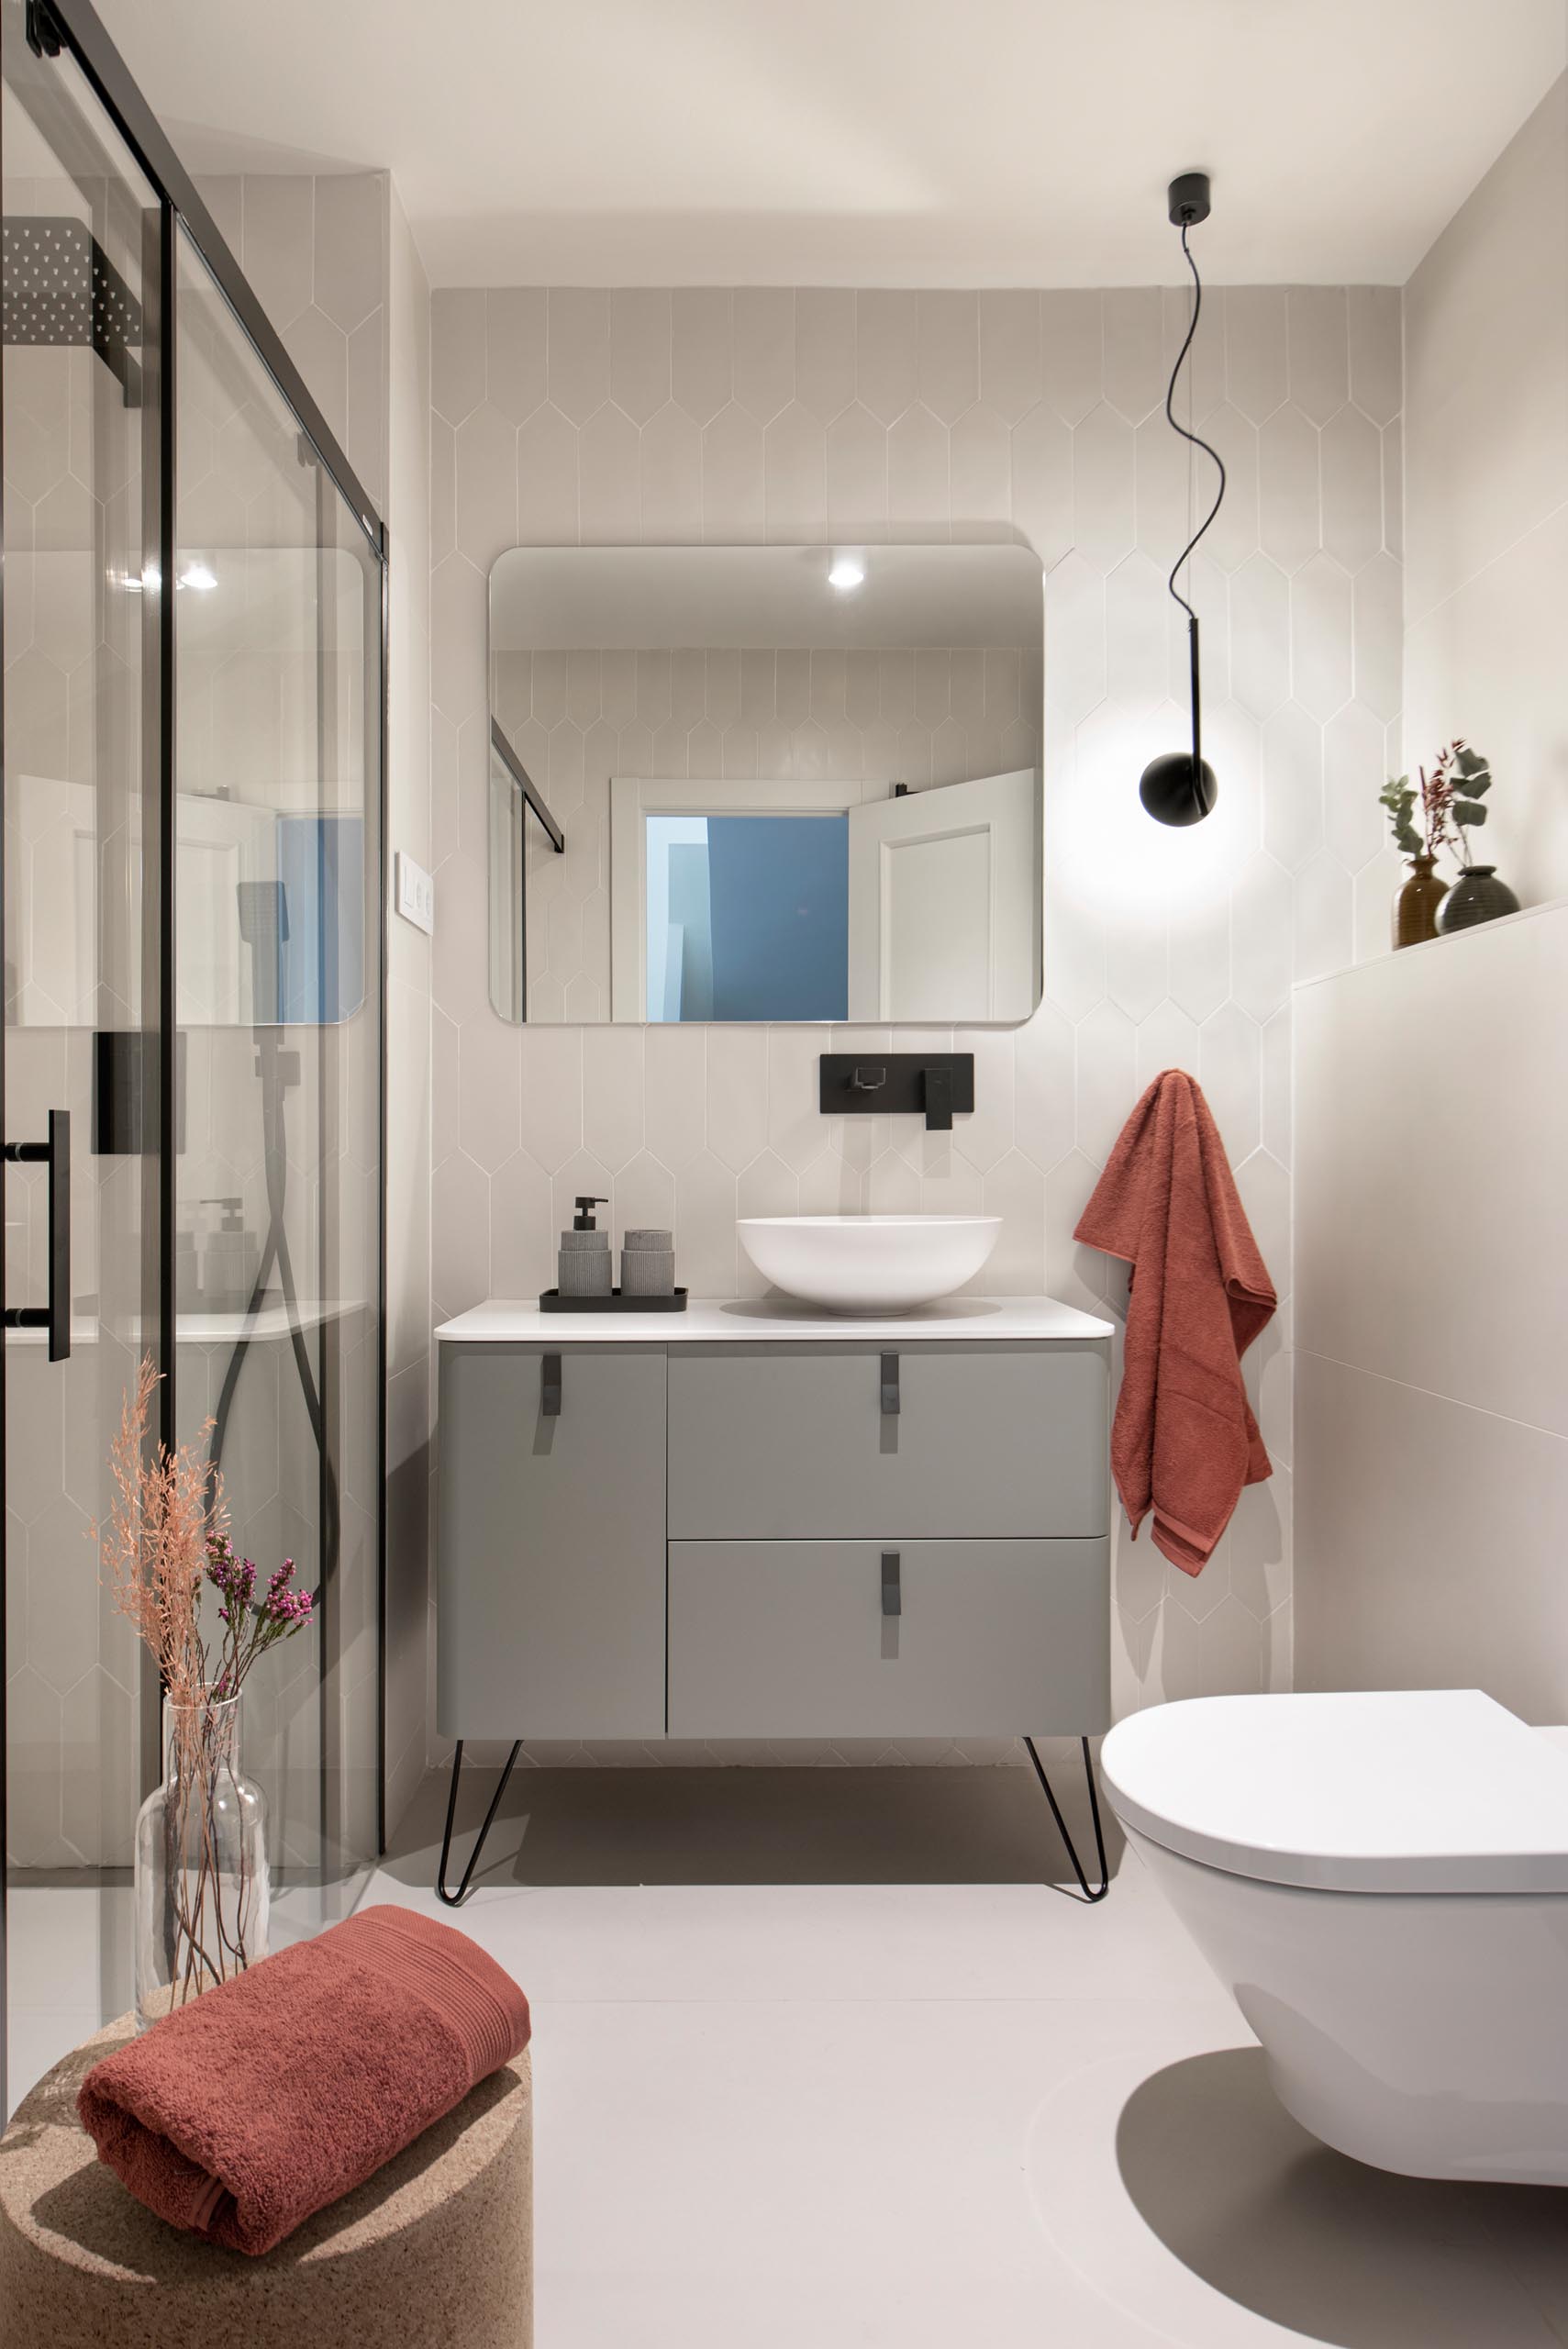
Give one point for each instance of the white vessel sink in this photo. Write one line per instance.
(869, 1263)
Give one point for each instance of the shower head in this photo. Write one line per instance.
(264, 928)
(263, 912)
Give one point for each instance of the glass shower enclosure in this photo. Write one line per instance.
(193, 787)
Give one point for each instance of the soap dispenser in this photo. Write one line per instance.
(584, 1259)
(230, 1261)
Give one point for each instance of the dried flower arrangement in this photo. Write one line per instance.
(1450, 800)
(167, 1536)
(201, 1862)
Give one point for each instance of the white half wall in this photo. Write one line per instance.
(1432, 1293)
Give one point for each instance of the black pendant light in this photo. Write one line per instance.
(1179, 786)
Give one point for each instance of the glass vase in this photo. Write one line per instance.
(202, 1888)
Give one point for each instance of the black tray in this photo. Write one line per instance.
(553, 1302)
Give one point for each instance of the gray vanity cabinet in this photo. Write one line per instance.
(724, 1536)
(550, 1560)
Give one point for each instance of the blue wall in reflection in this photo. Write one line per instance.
(321, 961)
(747, 918)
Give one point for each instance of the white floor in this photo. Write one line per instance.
(955, 2115)
(849, 2114)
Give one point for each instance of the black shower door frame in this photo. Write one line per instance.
(73, 27)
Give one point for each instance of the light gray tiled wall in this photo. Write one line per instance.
(314, 249)
(596, 417)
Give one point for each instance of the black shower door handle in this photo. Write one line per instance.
(54, 1317)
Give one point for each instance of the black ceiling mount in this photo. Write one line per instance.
(1188, 199)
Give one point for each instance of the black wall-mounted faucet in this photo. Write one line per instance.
(933, 1085)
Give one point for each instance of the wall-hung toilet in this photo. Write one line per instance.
(1381, 1880)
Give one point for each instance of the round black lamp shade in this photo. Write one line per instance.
(1176, 792)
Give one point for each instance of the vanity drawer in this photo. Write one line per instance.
(988, 1441)
(551, 1543)
(789, 1639)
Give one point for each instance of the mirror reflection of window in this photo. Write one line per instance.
(747, 918)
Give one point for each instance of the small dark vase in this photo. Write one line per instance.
(1476, 895)
(1415, 905)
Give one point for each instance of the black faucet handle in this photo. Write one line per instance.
(938, 1100)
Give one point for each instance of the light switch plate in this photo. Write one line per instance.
(416, 893)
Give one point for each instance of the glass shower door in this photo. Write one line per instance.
(82, 591)
(278, 1004)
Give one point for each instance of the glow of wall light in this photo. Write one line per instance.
(1103, 853)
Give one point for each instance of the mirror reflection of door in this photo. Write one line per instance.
(924, 906)
(944, 903)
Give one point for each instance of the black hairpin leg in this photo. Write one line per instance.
(453, 1899)
(1105, 1884)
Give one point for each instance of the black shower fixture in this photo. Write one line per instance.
(1179, 786)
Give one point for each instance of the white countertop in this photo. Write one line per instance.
(775, 1320)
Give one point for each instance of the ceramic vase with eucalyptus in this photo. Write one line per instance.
(202, 1892)
(1417, 902)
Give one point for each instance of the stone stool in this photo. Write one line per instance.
(435, 2252)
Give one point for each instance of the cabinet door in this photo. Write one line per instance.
(550, 1560)
(794, 1639)
(795, 1442)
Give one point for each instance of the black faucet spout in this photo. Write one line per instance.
(938, 1098)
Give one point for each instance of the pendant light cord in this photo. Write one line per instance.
(1195, 438)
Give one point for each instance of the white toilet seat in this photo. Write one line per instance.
(1404, 1790)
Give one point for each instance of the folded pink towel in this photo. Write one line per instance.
(242, 2114)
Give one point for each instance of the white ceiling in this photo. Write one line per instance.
(913, 142)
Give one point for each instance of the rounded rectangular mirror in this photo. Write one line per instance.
(766, 783)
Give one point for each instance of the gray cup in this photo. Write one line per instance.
(646, 1272)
